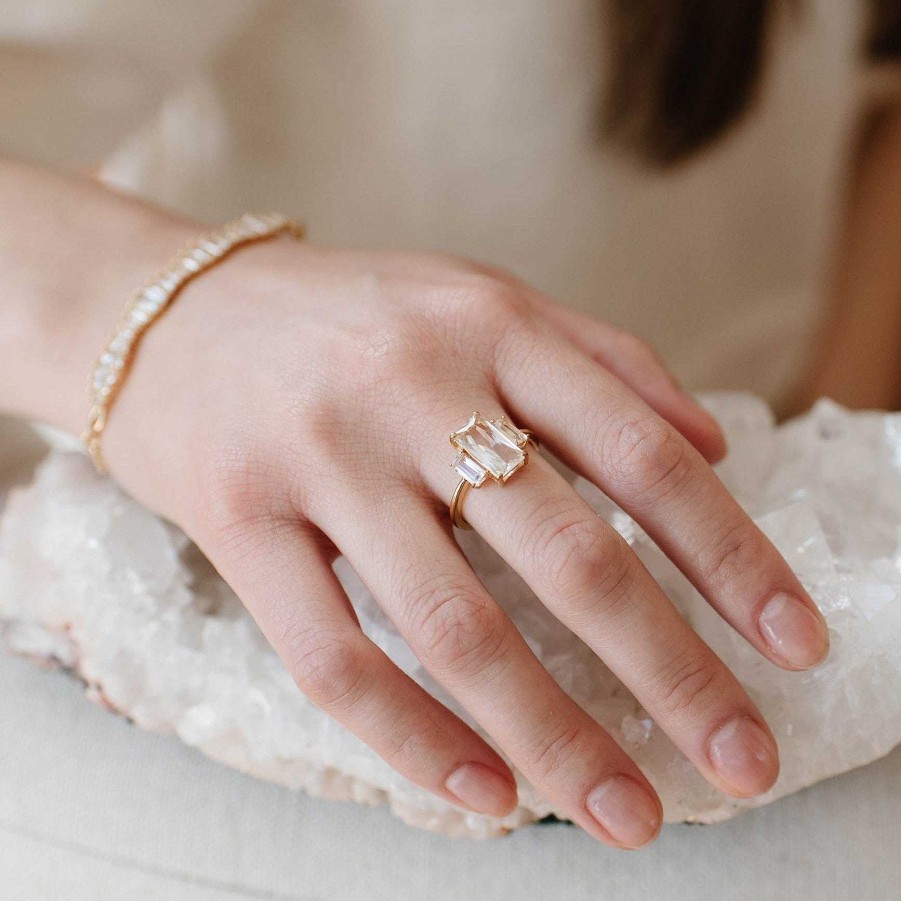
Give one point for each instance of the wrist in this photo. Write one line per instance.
(78, 253)
(153, 301)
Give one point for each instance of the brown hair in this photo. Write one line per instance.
(684, 71)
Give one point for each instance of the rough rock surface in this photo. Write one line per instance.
(93, 581)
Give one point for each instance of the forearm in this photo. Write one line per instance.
(71, 253)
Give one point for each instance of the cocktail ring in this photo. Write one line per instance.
(488, 447)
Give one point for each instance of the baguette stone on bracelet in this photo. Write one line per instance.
(153, 299)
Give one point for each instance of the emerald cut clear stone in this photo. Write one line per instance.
(491, 447)
(509, 431)
(468, 469)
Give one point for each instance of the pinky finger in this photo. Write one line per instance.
(282, 575)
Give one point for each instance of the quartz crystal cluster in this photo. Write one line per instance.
(95, 582)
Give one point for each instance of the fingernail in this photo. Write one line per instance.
(744, 756)
(482, 789)
(793, 631)
(625, 810)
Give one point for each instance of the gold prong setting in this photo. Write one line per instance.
(487, 449)
(492, 448)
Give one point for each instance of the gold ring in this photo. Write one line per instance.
(488, 448)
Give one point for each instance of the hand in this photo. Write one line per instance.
(296, 403)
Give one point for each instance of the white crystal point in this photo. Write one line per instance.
(493, 448)
(93, 580)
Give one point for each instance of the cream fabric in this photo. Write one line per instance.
(464, 126)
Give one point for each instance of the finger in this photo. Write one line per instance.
(636, 363)
(419, 575)
(283, 576)
(588, 576)
(604, 431)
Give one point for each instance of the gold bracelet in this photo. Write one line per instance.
(154, 298)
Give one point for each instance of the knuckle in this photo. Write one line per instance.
(459, 631)
(647, 457)
(488, 306)
(329, 671)
(738, 551)
(318, 415)
(551, 757)
(685, 681)
(496, 298)
(586, 562)
(630, 345)
(234, 494)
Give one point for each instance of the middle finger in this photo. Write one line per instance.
(602, 429)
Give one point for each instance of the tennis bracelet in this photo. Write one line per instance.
(153, 299)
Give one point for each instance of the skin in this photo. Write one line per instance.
(295, 403)
(855, 359)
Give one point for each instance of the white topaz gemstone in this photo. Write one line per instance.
(506, 428)
(468, 469)
(493, 448)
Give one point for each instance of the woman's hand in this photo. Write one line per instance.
(296, 403)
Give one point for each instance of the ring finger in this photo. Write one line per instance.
(419, 575)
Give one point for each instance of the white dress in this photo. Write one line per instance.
(464, 126)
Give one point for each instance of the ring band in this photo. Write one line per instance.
(488, 448)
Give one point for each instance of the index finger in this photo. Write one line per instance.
(604, 431)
